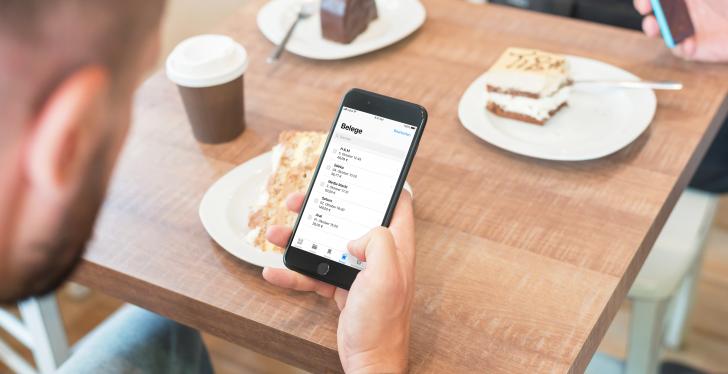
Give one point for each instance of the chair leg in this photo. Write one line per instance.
(645, 336)
(43, 320)
(682, 305)
(14, 361)
(683, 299)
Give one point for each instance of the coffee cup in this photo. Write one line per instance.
(208, 71)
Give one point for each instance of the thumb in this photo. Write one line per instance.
(375, 247)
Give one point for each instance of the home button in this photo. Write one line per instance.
(323, 268)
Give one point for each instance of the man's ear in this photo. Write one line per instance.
(66, 130)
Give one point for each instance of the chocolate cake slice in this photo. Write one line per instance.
(343, 20)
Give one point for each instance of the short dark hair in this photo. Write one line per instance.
(41, 41)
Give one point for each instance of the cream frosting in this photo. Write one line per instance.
(277, 153)
(535, 108)
(252, 235)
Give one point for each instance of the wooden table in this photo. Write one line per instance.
(522, 263)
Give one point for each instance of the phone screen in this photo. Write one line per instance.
(354, 185)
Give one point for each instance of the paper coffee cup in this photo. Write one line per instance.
(208, 71)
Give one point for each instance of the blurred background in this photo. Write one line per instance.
(705, 345)
(612, 12)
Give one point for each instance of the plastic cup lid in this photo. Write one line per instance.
(206, 60)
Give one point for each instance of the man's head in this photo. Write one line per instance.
(68, 69)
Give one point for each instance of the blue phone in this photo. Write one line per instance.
(674, 21)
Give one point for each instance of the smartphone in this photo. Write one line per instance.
(674, 20)
(356, 185)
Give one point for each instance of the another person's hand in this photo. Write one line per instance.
(710, 20)
(374, 325)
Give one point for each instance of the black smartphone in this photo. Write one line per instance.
(356, 185)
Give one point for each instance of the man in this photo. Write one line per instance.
(710, 20)
(67, 73)
(374, 324)
(68, 70)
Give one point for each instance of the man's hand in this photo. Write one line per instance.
(374, 325)
(710, 20)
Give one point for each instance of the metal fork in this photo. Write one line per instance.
(307, 9)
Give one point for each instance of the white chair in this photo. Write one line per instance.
(662, 293)
(40, 328)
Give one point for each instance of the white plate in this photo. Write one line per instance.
(596, 123)
(397, 19)
(226, 204)
(224, 210)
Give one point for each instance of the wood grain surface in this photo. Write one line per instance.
(522, 263)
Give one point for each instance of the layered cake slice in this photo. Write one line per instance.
(528, 85)
(343, 20)
(294, 160)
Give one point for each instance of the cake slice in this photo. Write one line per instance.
(528, 85)
(294, 160)
(343, 20)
